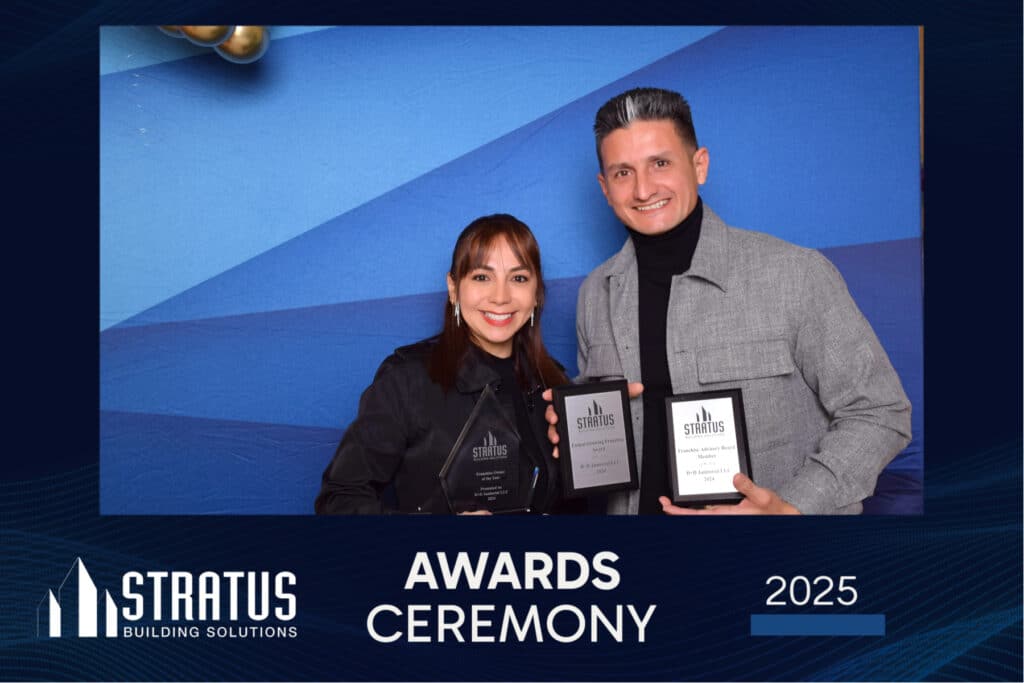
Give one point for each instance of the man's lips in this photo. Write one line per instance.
(652, 207)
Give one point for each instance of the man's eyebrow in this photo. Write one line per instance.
(651, 157)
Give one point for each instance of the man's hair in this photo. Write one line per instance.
(643, 104)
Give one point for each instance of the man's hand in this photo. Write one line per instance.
(634, 389)
(758, 501)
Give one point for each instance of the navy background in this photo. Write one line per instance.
(949, 581)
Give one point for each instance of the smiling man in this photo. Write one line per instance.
(690, 304)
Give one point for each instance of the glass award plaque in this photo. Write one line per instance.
(595, 437)
(486, 469)
(707, 446)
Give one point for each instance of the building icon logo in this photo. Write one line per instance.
(703, 425)
(596, 418)
(76, 610)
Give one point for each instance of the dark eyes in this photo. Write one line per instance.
(484, 277)
(658, 163)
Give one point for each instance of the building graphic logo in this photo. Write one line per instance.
(171, 604)
(492, 448)
(703, 425)
(76, 610)
(596, 418)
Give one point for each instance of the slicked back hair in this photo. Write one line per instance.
(643, 104)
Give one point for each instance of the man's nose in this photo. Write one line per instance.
(644, 187)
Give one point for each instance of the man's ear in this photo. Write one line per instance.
(700, 164)
(604, 186)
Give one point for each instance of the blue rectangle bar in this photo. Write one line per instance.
(817, 624)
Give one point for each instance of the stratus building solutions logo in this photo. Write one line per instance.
(171, 604)
(491, 448)
(596, 418)
(703, 424)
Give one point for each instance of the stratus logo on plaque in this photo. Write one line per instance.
(595, 437)
(490, 449)
(596, 418)
(703, 424)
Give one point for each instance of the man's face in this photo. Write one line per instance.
(650, 177)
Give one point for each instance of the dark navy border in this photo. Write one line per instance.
(949, 582)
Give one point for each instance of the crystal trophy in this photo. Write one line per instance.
(486, 468)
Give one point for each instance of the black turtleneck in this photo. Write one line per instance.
(658, 258)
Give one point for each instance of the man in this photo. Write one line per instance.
(690, 304)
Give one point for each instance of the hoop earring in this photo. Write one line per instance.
(532, 313)
(458, 320)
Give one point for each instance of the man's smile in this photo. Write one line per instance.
(652, 207)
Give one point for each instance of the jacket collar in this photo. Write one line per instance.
(710, 258)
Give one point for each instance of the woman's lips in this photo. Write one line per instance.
(498, 319)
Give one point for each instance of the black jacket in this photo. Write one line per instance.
(403, 433)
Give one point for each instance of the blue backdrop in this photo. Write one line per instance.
(268, 235)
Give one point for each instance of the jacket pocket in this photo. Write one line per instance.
(738, 362)
(602, 362)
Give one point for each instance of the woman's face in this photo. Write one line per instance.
(496, 299)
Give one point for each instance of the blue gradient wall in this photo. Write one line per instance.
(270, 233)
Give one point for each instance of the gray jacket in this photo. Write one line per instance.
(825, 410)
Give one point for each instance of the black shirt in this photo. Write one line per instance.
(509, 389)
(659, 258)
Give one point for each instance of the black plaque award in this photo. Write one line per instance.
(485, 469)
(595, 437)
(707, 446)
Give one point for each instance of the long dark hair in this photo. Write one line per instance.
(532, 361)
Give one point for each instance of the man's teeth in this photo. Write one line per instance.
(652, 207)
(496, 316)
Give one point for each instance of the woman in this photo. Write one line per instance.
(422, 395)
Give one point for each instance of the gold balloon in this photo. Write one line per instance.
(173, 31)
(207, 36)
(246, 44)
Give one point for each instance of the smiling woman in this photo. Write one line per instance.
(489, 360)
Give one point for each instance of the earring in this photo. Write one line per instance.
(532, 313)
(458, 321)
